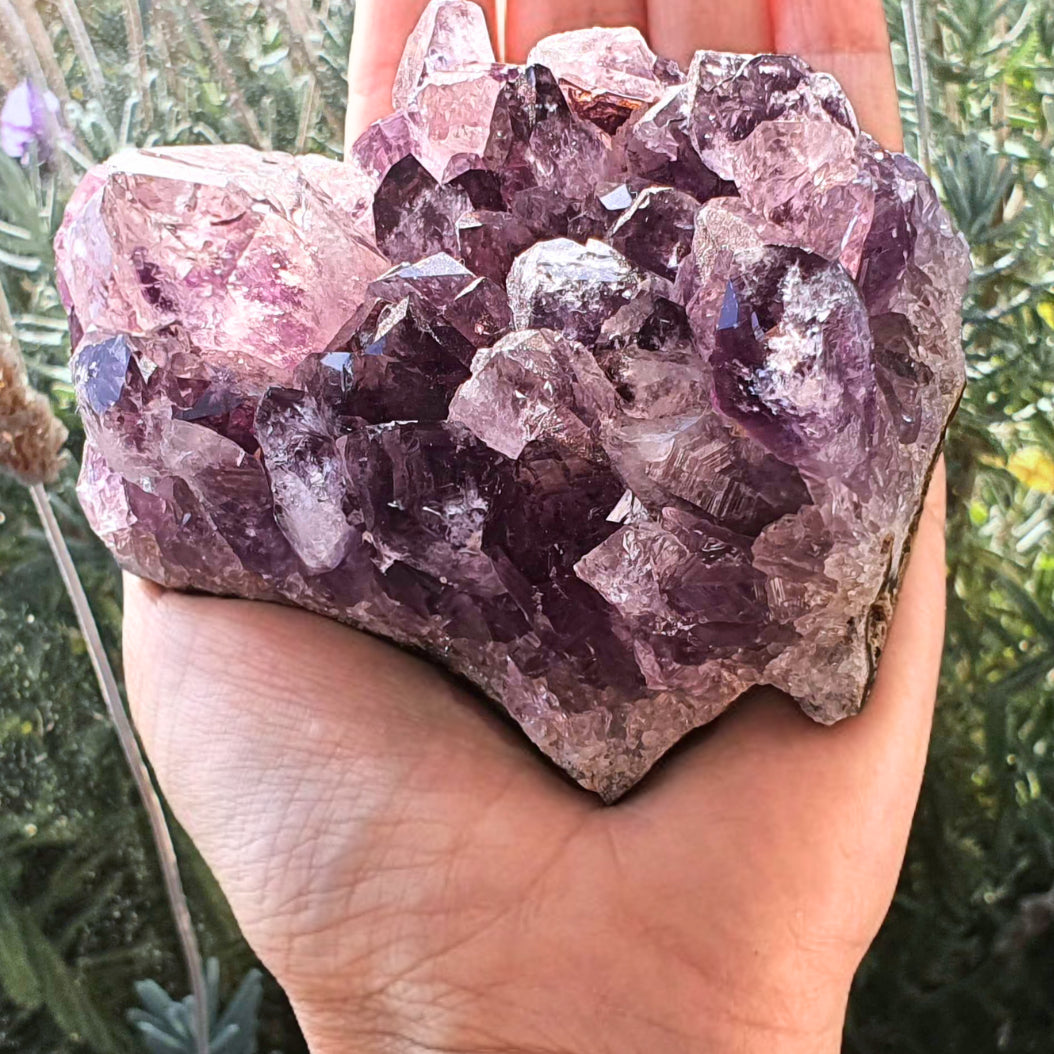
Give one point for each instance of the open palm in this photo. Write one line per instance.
(419, 879)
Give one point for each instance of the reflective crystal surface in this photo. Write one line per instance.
(611, 387)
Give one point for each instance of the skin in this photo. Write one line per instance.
(419, 880)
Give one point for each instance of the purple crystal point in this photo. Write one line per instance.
(451, 36)
(475, 307)
(607, 74)
(656, 230)
(396, 365)
(489, 241)
(549, 162)
(613, 389)
(305, 478)
(561, 284)
(659, 151)
(414, 215)
(532, 386)
(790, 353)
(452, 114)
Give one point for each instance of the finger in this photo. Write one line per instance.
(850, 39)
(527, 21)
(678, 28)
(377, 42)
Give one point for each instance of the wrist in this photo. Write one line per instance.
(728, 1035)
(765, 1023)
(741, 1040)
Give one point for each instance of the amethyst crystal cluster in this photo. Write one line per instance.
(611, 387)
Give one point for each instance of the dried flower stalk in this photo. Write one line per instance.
(137, 51)
(82, 44)
(166, 850)
(31, 436)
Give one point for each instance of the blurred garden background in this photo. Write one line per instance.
(965, 963)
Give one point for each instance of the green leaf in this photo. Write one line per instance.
(26, 264)
(43, 979)
(18, 979)
(244, 1005)
(154, 998)
(159, 1042)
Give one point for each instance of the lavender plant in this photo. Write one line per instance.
(170, 1026)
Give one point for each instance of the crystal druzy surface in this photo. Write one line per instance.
(613, 388)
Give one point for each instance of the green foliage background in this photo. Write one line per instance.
(965, 963)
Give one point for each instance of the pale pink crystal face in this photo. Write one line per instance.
(612, 388)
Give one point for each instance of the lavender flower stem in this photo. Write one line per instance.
(166, 850)
(914, 35)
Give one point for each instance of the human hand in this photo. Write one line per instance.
(418, 880)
